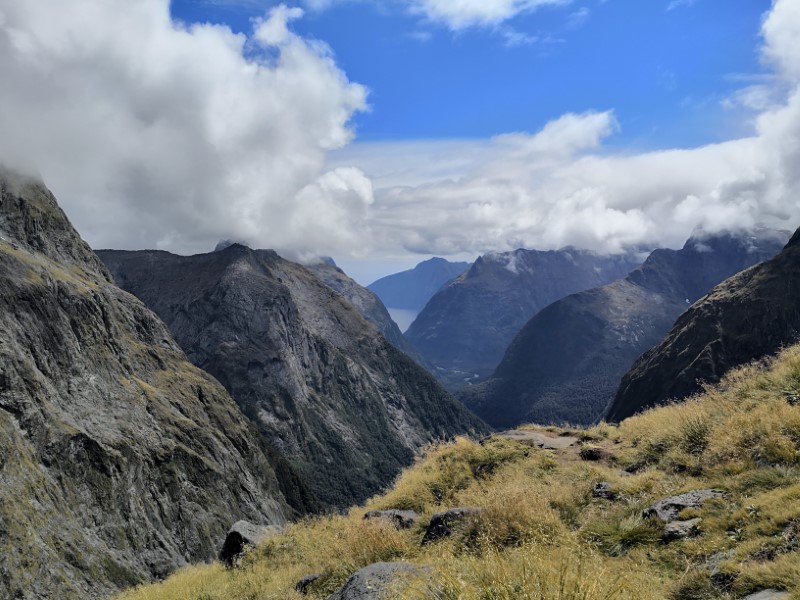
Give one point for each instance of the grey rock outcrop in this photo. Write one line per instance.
(680, 530)
(379, 581)
(241, 535)
(604, 490)
(668, 509)
(444, 523)
(401, 519)
(119, 460)
(344, 406)
(301, 587)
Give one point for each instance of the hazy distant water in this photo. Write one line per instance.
(403, 317)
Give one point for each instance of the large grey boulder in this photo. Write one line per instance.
(443, 523)
(668, 509)
(241, 535)
(401, 519)
(379, 581)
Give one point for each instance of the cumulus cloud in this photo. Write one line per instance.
(160, 134)
(461, 14)
(563, 185)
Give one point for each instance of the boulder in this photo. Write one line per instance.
(442, 524)
(769, 595)
(378, 581)
(603, 490)
(301, 587)
(668, 509)
(680, 530)
(401, 519)
(241, 535)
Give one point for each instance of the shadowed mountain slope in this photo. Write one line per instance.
(566, 363)
(747, 317)
(466, 327)
(346, 407)
(119, 460)
(366, 302)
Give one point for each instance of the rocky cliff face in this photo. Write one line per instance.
(466, 327)
(566, 363)
(346, 407)
(747, 317)
(365, 302)
(119, 460)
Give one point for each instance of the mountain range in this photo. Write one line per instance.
(566, 363)
(749, 316)
(467, 325)
(344, 406)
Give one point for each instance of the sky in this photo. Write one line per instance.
(382, 133)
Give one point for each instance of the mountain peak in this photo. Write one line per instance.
(31, 219)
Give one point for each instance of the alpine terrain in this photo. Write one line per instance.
(119, 460)
(566, 364)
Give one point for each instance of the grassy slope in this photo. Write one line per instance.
(543, 536)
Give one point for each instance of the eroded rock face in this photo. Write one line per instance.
(680, 530)
(120, 460)
(379, 581)
(344, 406)
(769, 595)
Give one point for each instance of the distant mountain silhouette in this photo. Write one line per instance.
(411, 290)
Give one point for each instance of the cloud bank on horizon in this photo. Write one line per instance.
(168, 135)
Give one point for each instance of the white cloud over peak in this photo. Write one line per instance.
(157, 134)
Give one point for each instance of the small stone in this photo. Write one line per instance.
(442, 524)
(301, 587)
(401, 519)
(668, 509)
(603, 490)
(241, 535)
(680, 530)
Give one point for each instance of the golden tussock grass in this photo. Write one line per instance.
(544, 536)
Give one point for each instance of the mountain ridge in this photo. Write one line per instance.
(566, 363)
(340, 402)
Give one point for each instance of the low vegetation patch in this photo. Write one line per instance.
(542, 533)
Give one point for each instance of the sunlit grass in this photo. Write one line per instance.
(543, 536)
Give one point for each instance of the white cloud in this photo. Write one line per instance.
(680, 3)
(563, 186)
(155, 134)
(461, 14)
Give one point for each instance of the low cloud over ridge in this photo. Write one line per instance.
(158, 134)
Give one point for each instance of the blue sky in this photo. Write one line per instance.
(663, 67)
